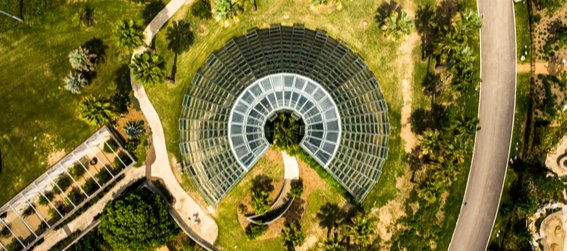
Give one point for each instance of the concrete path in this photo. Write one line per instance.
(490, 158)
(184, 205)
(291, 168)
(131, 175)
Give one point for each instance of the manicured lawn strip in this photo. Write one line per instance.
(523, 37)
(345, 25)
(39, 116)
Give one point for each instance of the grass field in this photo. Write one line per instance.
(522, 109)
(38, 116)
(522, 30)
(346, 24)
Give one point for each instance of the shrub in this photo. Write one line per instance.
(85, 17)
(202, 9)
(134, 129)
(82, 60)
(27, 211)
(45, 201)
(76, 196)
(103, 176)
(5, 232)
(260, 202)
(77, 171)
(95, 111)
(227, 9)
(292, 235)
(111, 146)
(296, 188)
(74, 81)
(254, 231)
(90, 186)
(64, 182)
(14, 246)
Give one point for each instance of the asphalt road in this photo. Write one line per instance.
(498, 88)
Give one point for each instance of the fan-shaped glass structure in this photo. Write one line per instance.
(254, 77)
(277, 92)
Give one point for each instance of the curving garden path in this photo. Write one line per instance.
(185, 206)
(492, 142)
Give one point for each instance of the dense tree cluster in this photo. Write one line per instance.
(449, 34)
(137, 221)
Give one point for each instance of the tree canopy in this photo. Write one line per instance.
(286, 134)
(128, 34)
(95, 111)
(148, 68)
(137, 221)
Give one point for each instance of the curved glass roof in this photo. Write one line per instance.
(261, 72)
(284, 91)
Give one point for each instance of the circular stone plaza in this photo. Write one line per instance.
(305, 73)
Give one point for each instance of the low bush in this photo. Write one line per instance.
(296, 188)
(202, 9)
(77, 171)
(253, 231)
(110, 146)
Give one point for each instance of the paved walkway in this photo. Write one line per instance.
(490, 159)
(291, 168)
(130, 176)
(184, 205)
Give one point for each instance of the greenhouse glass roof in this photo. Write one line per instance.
(316, 77)
(277, 92)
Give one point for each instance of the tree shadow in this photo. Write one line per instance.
(415, 162)
(1, 163)
(422, 119)
(151, 10)
(121, 99)
(179, 39)
(96, 46)
(425, 29)
(446, 10)
(295, 211)
(385, 10)
(262, 183)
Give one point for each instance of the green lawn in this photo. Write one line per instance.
(345, 24)
(39, 116)
(522, 30)
(521, 113)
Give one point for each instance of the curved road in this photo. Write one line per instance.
(496, 112)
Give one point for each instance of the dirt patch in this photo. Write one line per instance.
(55, 156)
(390, 213)
(406, 63)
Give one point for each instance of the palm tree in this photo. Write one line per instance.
(134, 129)
(335, 242)
(179, 37)
(128, 34)
(469, 22)
(398, 25)
(361, 230)
(85, 17)
(95, 111)
(430, 142)
(81, 59)
(226, 9)
(292, 235)
(74, 81)
(148, 68)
